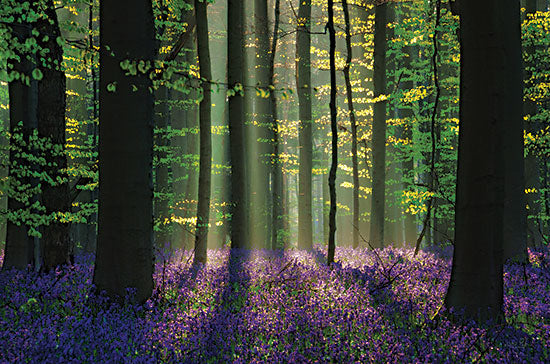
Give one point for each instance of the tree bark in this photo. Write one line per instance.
(205, 167)
(490, 118)
(303, 84)
(261, 215)
(125, 228)
(235, 75)
(163, 187)
(23, 98)
(379, 130)
(276, 170)
(334, 130)
(55, 242)
(191, 149)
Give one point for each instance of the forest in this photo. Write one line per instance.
(274, 181)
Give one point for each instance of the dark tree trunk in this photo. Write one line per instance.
(235, 75)
(490, 117)
(334, 130)
(379, 130)
(124, 251)
(303, 84)
(203, 209)
(55, 242)
(19, 250)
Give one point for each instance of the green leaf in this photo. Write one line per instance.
(37, 74)
(125, 64)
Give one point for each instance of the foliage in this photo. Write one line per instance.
(536, 57)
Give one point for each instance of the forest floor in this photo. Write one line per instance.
(265, 307)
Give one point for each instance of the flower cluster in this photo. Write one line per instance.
(268, 307)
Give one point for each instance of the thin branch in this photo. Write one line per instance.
(433, 178)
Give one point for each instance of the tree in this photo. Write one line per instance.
(334, 130)
(276, 170)
(55, 241)
(303, 84)
(125, 217)
(351, 110)
(379, 129)
(23, 98)
(161, 146)
(205, 162)
(44, 100)
(490, 117)
(236, 122)
(260, 217)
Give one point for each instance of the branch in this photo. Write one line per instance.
(183, 38)
(75, 191)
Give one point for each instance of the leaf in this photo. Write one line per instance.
(143, 67)
(125, 64)
(111, 87)
(37, 74)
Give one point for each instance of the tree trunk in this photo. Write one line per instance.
(235, 75)
(303, 84)
(191, 150)
(203, 209)
(515, 212)
(325, 203)
(334, 130)
(163, 187)
(277, 225)
(490, 117)
(351, 110)
(23, 98)
(379, 130)
(125, 230)
(55, 242)
(260, 146)
(93, 130)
